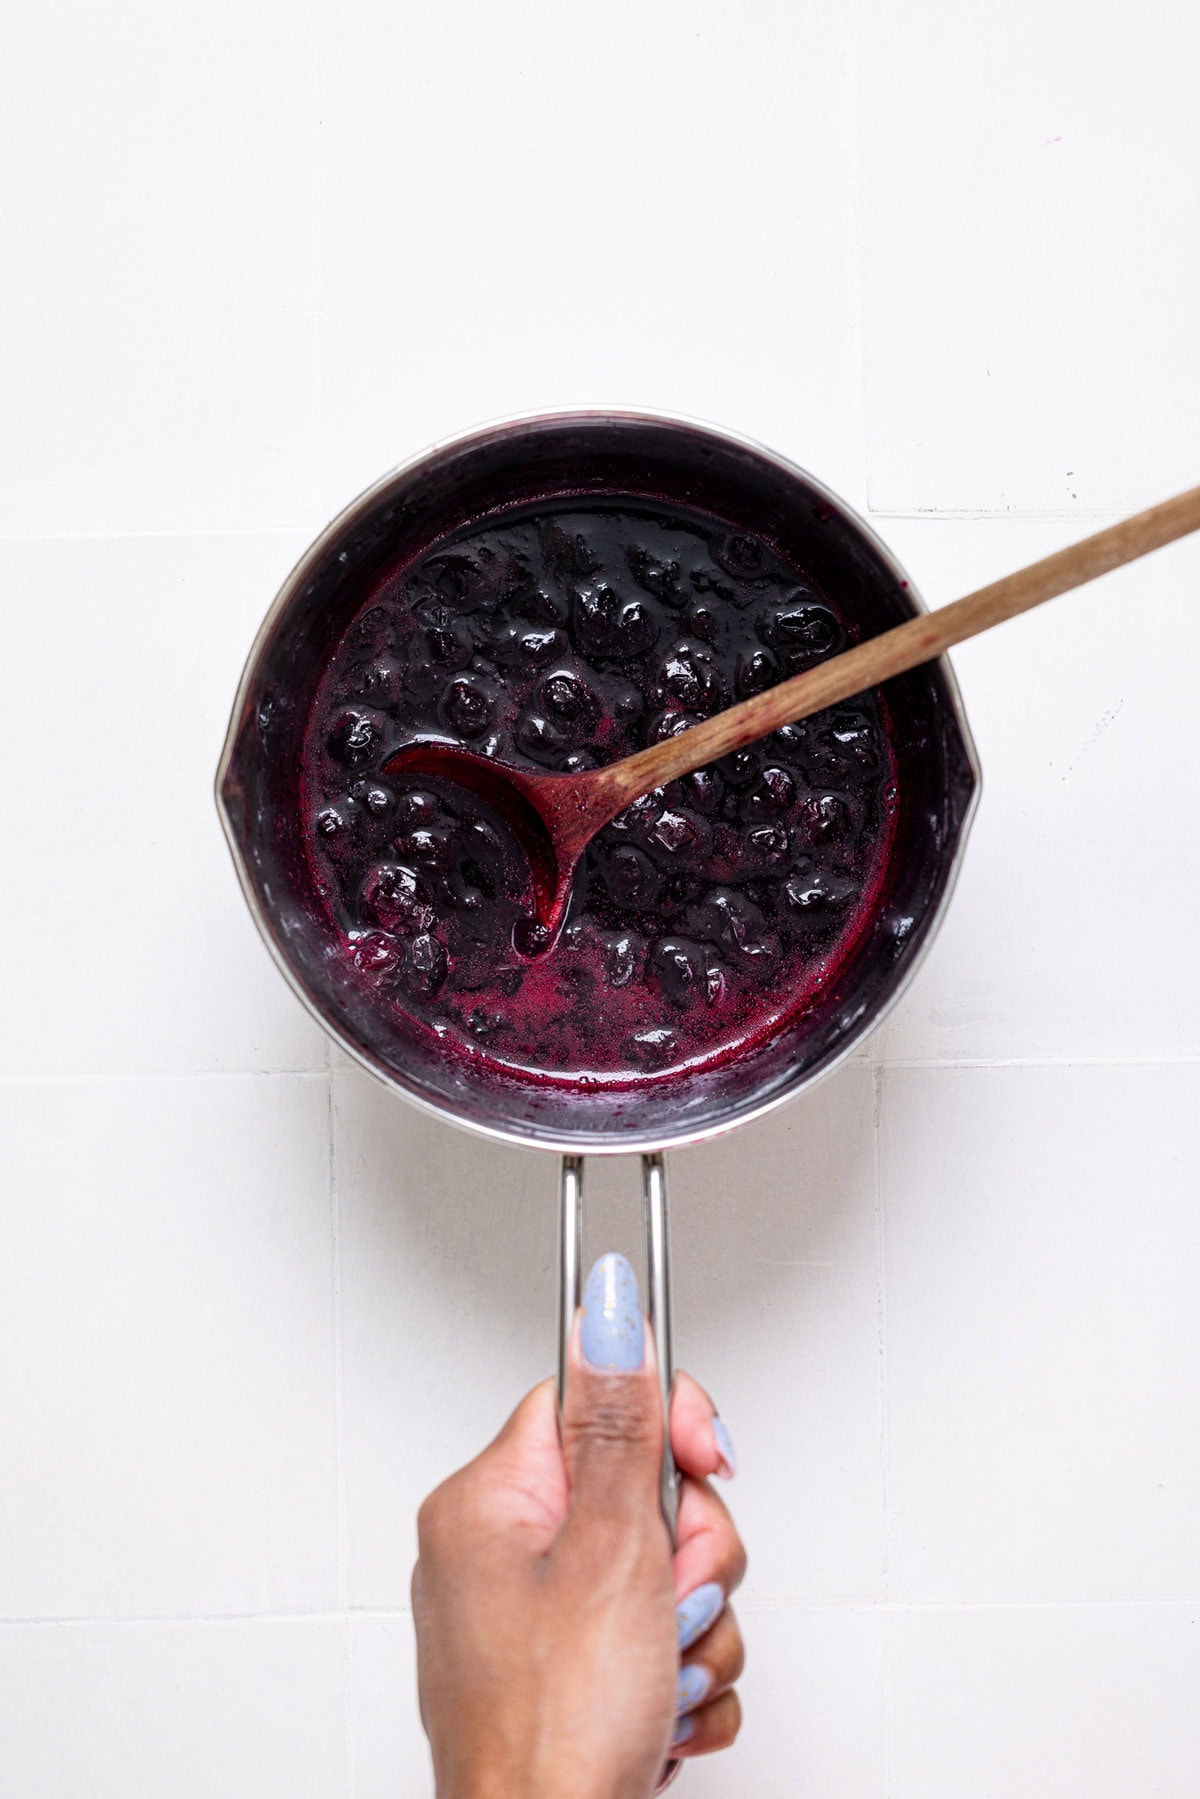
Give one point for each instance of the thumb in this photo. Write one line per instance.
(612, 1411)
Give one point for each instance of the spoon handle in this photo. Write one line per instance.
(906, 646)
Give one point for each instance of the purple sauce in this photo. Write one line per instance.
(564, 635)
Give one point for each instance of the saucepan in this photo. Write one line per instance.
(542, 457)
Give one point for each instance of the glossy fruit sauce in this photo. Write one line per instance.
(563, 636)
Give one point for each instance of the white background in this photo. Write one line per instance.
(252, 1308)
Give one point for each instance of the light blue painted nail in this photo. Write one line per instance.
(684, 1729)
(698, 1613)
(694, 1682)
(612, 1335)
(725, 1449)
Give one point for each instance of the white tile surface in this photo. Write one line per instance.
(166, 1335)
(104, 1711)
(777, 1315)
(647, 205)
(1031, 267)
(138, 953)
(388, 1745)
(813, 1713)
(447, 1253)
(159, 361)
(1085, 1702)
(1072, 932)
(1043, 1340)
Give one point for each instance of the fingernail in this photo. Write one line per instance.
(612, 1335)
(698, 1613)
(694, 1682)
(684, 1729)
(725, 1450)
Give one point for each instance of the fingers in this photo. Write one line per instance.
(714, 1727)
(710, 1560)
(713, 1666)
(612, 1426)
(700, 1441)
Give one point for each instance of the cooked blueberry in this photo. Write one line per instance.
(740, 768)
(354, 738)
(631, 879)
(417, 808)
(466, 707)
(743, 557)
(702, 789)
(715, 984)
(540, 739)
(456, 579)
(426, 965)
(396, 897)
(596, 612)
(814, 892)
(755, 673)
(377, 800)
(702, 620)
(812, 630)
(435, 845)
(772, 793)
(376, 954)
(674, 831)
(826, 815)
(689, 675)
(769, 842)
(329, 822)
(729, 918)
(620, 959)
(659, 578)
(520, 645)
(567, 697)
(677, 971)
(538, 607)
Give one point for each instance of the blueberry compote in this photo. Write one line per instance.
(562, 636)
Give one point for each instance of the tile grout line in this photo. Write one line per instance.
(857, 283)
(339, 1431)
(204, 533)
(977, 1062)
(85, 1077)
(885, 1671)
(321, 314)
(890, 1608)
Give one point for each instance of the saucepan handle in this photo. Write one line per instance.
(657, 1222)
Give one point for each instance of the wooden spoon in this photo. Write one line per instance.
(555, 816)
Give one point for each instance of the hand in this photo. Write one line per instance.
(550, 1612)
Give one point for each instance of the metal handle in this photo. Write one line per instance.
(656, 1219)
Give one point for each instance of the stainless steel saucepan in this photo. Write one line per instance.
(538, 457)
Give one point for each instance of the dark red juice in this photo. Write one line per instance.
(562, 636)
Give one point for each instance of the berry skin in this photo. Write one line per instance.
(426, 965)
(355, 738)
(397, 898)
(466, 707)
